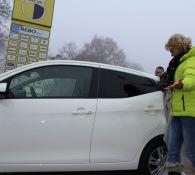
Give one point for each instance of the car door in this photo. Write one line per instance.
(48, 115)
(129, 110)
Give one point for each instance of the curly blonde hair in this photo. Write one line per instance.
(179, 43)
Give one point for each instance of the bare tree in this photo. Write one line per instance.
(102, 50)
(5, 14)
(5, 11)
(56, 57)
(99, 49)
(135, 66)
(3, 39)
(69, 51)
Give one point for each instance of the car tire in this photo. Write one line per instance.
(153, 158)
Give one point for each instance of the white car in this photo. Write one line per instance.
(80, 116)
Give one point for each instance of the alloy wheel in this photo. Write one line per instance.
(157, 159)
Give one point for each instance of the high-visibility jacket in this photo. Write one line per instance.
(183, 100)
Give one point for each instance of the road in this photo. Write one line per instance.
(78, 173)
(81, 173)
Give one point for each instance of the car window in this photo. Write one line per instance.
(115, 84)
(52, 82)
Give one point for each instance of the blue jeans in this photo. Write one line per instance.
(182, 130)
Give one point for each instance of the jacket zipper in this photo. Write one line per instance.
(183, 100)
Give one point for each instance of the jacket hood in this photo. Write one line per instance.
(191, 53)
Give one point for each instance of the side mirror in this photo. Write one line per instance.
(3, 87)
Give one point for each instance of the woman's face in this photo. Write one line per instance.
(174, 51)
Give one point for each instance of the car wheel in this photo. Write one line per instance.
(153, 158)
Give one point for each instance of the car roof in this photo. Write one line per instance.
(76, 63)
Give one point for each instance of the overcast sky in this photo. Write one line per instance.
(140, 27)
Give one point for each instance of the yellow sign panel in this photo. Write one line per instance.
(27, 43)
(34, 11)
(30, 32)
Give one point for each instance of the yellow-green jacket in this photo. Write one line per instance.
(183, 100)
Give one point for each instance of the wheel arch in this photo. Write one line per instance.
(153, 141)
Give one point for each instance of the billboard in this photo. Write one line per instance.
(34, 11)
(29, 33)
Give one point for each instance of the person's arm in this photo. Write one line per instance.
(177, 85)
(186, 83)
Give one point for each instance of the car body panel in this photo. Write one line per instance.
(45, 130)
(120, 122)
(46, 135)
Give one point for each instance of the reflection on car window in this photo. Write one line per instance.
(23, 78)
(52, 81)
(115, 84)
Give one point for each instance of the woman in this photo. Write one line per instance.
(180, 79)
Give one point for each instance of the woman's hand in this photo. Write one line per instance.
(177, 85)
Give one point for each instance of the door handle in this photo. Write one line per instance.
(151, 108)
(81, 111)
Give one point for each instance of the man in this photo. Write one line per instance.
(159, 71)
